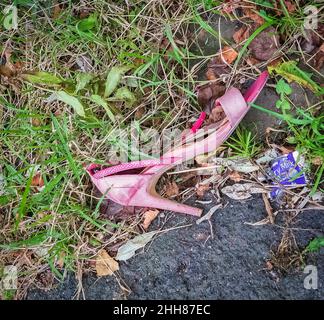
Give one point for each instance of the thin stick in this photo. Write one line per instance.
(194, 169)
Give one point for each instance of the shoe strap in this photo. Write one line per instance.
(91, 169)
(233, 103)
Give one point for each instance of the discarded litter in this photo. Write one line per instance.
(287, 170)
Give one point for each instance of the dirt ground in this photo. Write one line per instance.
(189, 263)
(228, 262)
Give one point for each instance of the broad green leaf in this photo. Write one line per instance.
(101, 102)
(283, 104)
(42, 77)
(69, 100)
(126, 95)
(88, 23)
(82, 80)
(291, 72)
(283, 87)
(11, 18)
(113, 79)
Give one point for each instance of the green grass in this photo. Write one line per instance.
(243, 143)
(56, 140)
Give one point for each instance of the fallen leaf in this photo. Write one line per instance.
(229, 6)
(252, 61)
(317, 161)
(69, 100)
(36, 122)
(7, 69)
(210, 74)
(127, 250)
(258, 223)
(319, 58)
(250, 13)
(37, 180)
(113, 78)
(203, 158)
(61, 259)
(242, 191)
(268, 208)
(83, 63)
(216, 114)
(242, 165)
(290, 6)
(139, 113)
(228, 54)
(269, 265)
(267, 156)
(171, 189)
(241, 34)
(283, 149)
(264, 45)
(208, 93)
(209, 214)
(312, 39)
(149, 216)
(235, 176)
(57, 9)
(202, 189)
(105, 264)
(216, 69)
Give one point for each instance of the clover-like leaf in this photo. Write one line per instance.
(283, 87)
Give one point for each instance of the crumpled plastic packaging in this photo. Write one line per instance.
(287, 170)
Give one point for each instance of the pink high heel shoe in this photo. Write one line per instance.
(122, 186)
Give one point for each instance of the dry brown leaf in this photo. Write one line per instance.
(269, 265)
(241, 34)
(7, 69)
(228, 54)
(37, 180)
(60, 261)
(230, 5)
(242, 191)
(268, 208)
(285, 150)
(139, 113)
(149, 216)
(210, 74)
(235, 176)
(317, 161)
(252, 61)
(36, 122)
(319, 58)
(250, 13)
(201, 189)
(290, 6)
(171, 189)
(105, 264)
(207, 94)
(57, 9)
(265, 44)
